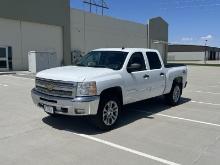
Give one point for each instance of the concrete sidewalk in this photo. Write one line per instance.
(7, 73)
(25, 74)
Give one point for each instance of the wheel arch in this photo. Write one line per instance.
(117, 90)
(178, 80)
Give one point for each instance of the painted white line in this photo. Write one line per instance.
(214, 93)
(199, 102)
(194, 121)
(214, 86)
(127, 149)
(180, 118)
(4, 85)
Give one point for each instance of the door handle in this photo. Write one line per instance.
(162, 74)
(146, 76)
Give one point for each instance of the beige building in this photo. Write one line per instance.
(178, 52)
(52, 26)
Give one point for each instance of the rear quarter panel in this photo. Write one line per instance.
(172, 73)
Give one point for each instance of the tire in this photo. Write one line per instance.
(173, 98)
(108, 113)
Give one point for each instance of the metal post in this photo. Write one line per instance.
(90, 6)
(205, 51)
(102, 7)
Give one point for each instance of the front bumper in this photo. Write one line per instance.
(79, 106)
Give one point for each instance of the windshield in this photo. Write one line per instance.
(104, 59)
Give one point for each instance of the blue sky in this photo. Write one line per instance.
(190, 21)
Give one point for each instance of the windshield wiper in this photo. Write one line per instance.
(99, 66)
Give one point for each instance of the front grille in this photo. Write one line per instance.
(56, 88)
(56, 83)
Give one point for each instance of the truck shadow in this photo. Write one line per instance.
(131, 113)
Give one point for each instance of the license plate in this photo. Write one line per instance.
(49, 109)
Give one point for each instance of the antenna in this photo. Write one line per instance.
(101, 4)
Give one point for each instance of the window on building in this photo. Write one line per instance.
(10, 58)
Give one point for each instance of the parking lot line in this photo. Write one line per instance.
(180, 118)
(4, 85)
(127, 149)
(214, 86)
(199, 102)
(214, 93)
(194, 121)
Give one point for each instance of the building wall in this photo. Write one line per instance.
(47, 12)
(26, 36)
(90, 31)
(158, 36)
(186, 56)
(10, 36)
(193, 52)
(41, 37)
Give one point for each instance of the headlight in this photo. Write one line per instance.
(86, 89)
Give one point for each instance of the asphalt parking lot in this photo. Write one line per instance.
(149, 132)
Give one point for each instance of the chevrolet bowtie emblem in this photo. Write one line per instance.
(50, 87)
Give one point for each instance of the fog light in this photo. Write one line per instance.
(79, 111)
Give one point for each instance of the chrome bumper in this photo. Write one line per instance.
(79, 106)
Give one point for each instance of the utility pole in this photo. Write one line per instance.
(101, 5)
(90, 6)
(102, 1)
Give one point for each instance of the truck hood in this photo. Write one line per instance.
(73, 73)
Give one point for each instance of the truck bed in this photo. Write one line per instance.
(174, 65)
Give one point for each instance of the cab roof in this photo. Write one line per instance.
(125, 49)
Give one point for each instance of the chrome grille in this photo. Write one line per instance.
(56, 88)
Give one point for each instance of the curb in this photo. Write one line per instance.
(7, 73)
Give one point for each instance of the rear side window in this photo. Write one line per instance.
(154, 61)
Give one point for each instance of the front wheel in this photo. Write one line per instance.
(108, 113)
(173, 98)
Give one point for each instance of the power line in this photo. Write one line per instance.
(101, 4)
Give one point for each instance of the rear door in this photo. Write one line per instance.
(137, 86)
(156, 75)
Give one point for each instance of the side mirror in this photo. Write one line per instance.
(133, 67)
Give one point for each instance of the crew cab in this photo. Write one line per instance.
(106, 79)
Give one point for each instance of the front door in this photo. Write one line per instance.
(137, 87)
(4, 59)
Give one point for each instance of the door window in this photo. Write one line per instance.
(137, 58)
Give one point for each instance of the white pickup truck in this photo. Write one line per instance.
(105, 80)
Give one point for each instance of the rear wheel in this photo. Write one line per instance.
(108, 113)
(173, 98)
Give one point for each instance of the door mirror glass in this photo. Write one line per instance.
(134, 67)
